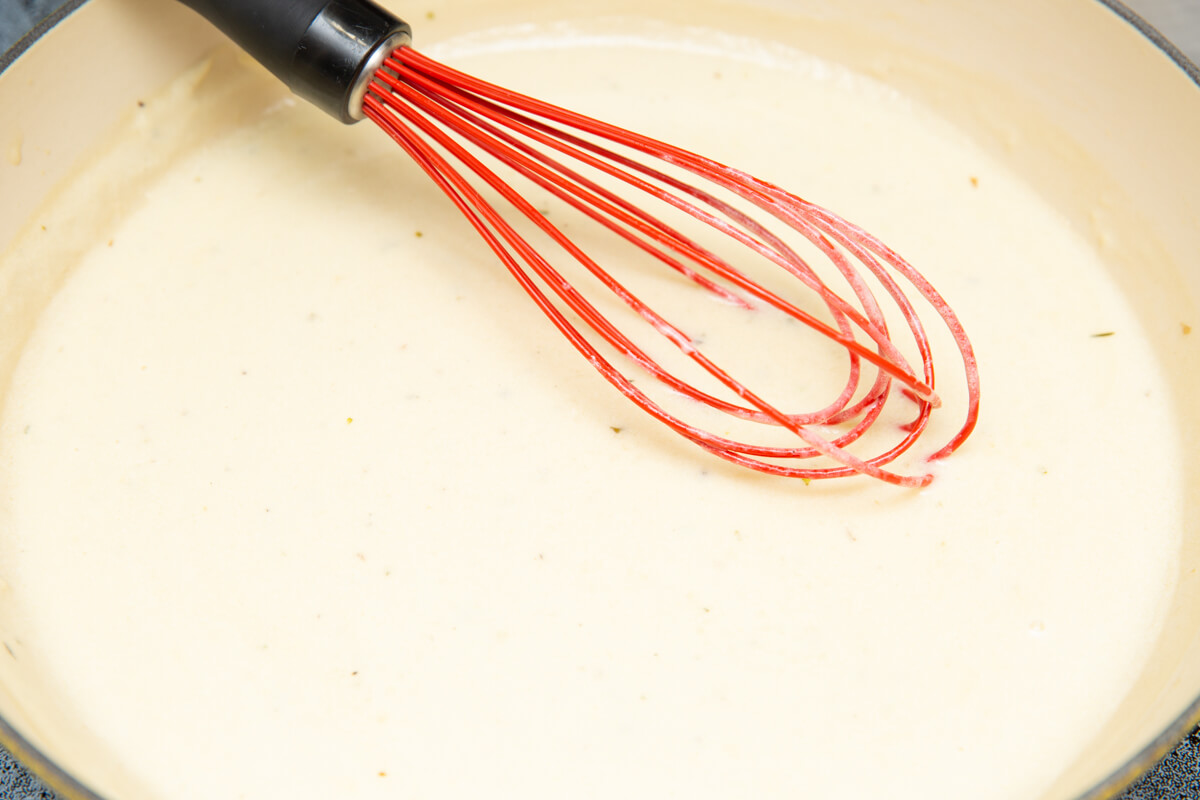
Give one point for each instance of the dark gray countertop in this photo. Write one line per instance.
(1177, 777)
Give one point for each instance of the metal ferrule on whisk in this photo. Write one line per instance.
(326, 52)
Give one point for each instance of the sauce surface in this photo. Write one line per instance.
(341, 515)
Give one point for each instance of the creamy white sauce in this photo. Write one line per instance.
(341, 515)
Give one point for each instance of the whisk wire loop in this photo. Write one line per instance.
(434, 113)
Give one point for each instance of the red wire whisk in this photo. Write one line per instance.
(657, 217)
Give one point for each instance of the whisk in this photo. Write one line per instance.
(740, 242)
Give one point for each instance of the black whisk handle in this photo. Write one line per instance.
(325, 51)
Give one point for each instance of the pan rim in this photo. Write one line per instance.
(39, 30)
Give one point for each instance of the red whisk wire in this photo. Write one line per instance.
(561, 141)
(439, 115)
